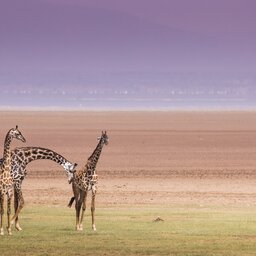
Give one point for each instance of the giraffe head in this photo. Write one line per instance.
(70, 170)
(104, 137)
(15, 133)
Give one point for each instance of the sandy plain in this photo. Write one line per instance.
(153, 158)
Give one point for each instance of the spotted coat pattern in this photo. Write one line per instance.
(20, 158)
(86, 180)
(6, 179)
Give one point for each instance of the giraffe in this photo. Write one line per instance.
(20, 158)
(85, 180)
(6, 180)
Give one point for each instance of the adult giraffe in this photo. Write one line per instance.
(85, 180)
(6, 180)
(20, 158)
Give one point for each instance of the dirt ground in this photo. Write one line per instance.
(153, 158)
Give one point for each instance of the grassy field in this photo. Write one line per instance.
(49, 230)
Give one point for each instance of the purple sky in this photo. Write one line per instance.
(50, 43)
(225, 18)
(134, 35)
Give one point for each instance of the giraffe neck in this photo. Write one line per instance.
(93, 159)
(29, 154)
(85, 178)
(6, 163)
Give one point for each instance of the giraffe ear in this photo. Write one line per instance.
(16, 127)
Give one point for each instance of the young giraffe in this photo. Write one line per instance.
(20, 158)
(6, 180)
(86, 180)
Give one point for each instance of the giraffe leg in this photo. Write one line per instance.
(18, 205)
(83, 210)
(93, 208)
(1, 214)
(9, 229)
(17, 224)
(77, 214)
(79, 202)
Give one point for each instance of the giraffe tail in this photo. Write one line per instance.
(71, 201)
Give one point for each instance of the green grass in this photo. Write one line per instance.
(50, 230)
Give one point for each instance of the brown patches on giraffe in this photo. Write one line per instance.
(23, 156)
(86, 180)
(6, 180)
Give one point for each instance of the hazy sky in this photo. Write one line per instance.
(127, 35)
(49, 43)
(228, 18)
